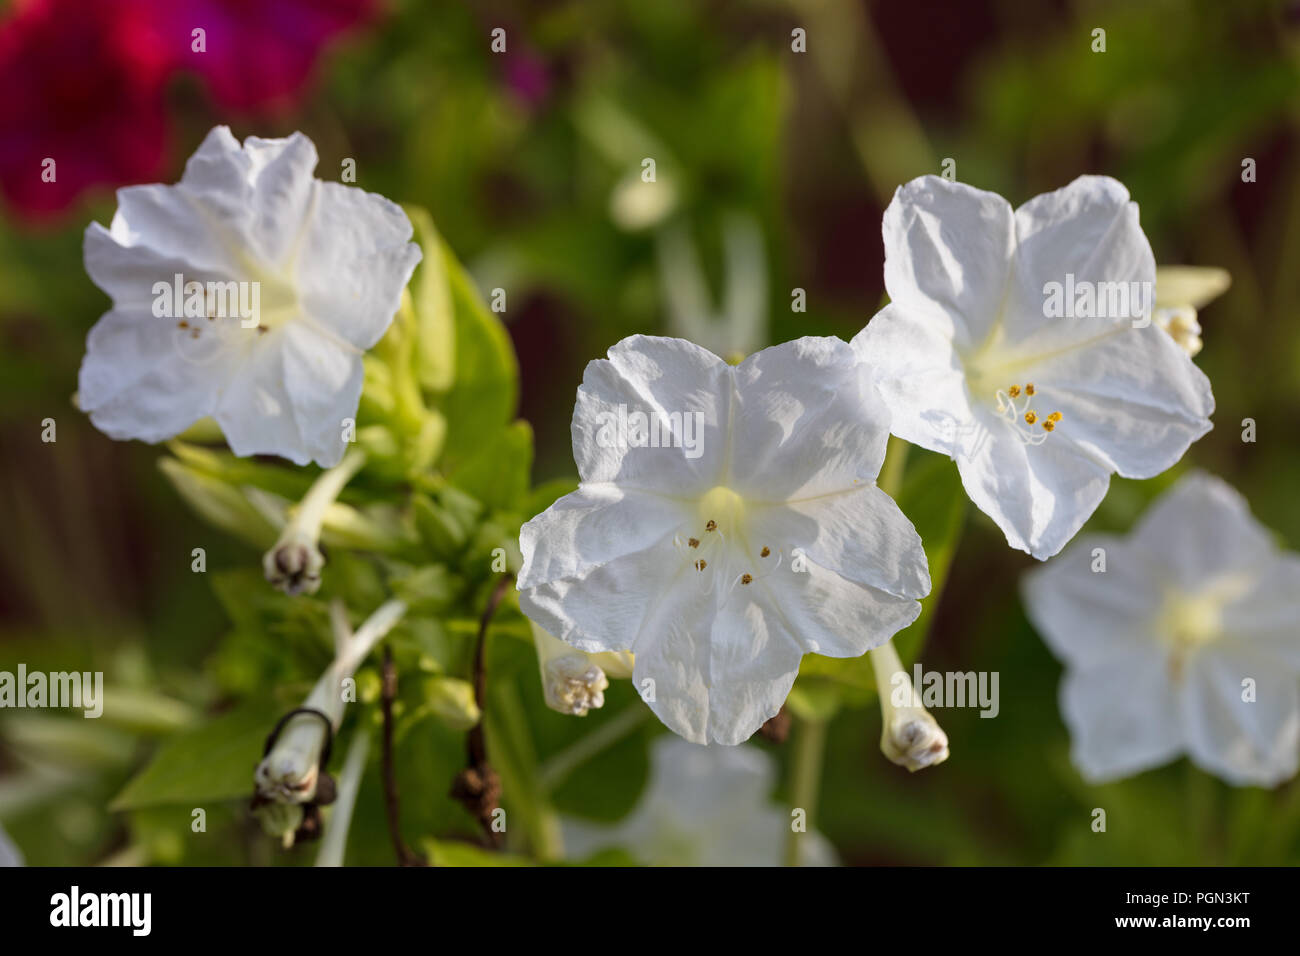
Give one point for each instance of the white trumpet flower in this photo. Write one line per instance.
(1182, 637)
(719, 562)
(246, 292)
(1020, 344)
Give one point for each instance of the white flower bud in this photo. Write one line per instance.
(290, 772)
(294, 564)
(909, 736)
(573, 681)
(1182, 326)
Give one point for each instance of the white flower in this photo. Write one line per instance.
(320, 268)
(720, 568)
(1188, 642)
(1180, 291)
(573, 681)
(703, 806)
(1037, 411)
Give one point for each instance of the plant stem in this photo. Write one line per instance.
(335, 840)
(809, 750)
(405, 855)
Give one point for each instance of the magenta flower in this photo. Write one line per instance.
(256, 55)
(83, 103)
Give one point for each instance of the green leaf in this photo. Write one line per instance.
(934, 500)
(213, 762)
(498, 473)
(435, 350)
(452, 853)
(486, 387)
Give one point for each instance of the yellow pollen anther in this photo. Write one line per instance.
(1029, 389)
(694, 542)
(711, 526)
(1031, 417)
(701, 564)
(746, 578)
(1054, 417)
(1048, 425)
(1014, 391)
(765, 552)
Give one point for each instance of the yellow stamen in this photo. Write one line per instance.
(1029, 389)
(1014, 391)
(701, 564)
(1054, 417)
(1048, 425)
(765, 552)
(746, 578)
(694, 542)
(1031, 417)
(711, 526)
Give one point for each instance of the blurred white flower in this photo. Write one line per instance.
(1188, 641)
(1038, 410)
(1180, 291)
(322, 265)
(720, 569)
(703, 806)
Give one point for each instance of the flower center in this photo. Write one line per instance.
(1191, 621)
(718, 548)
(1015, 404)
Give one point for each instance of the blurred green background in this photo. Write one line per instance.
(777, 166)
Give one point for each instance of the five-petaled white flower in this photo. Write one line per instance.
(1187, 642)
(720, 560)
(1020, 344)
(246, 292)
(703, 806)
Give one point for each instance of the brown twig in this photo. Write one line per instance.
(477, 786)
(405, 855)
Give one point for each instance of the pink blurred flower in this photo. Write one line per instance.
(257, 55)
(83, 82)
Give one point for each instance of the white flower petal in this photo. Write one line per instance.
(1131, 400)
(947, 253)
(1194, 286)
(1123, 716)
(1039, 496)
(354, 259)
(1088, 229)
(1202, 528)
(1243, 741)
(591, 527)
(859, 533)
(1267, 618)
(255, 410)
(665, 380)
(806, 420)
(920, 378)
(148, 380)
(1091, 617)
(283, 193)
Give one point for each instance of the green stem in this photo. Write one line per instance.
(809, 751)
(891, 472)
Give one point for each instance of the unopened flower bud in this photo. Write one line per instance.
(294, 564)
(290, 772)
(909, 736)
(1182, 326)
(573, 681)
